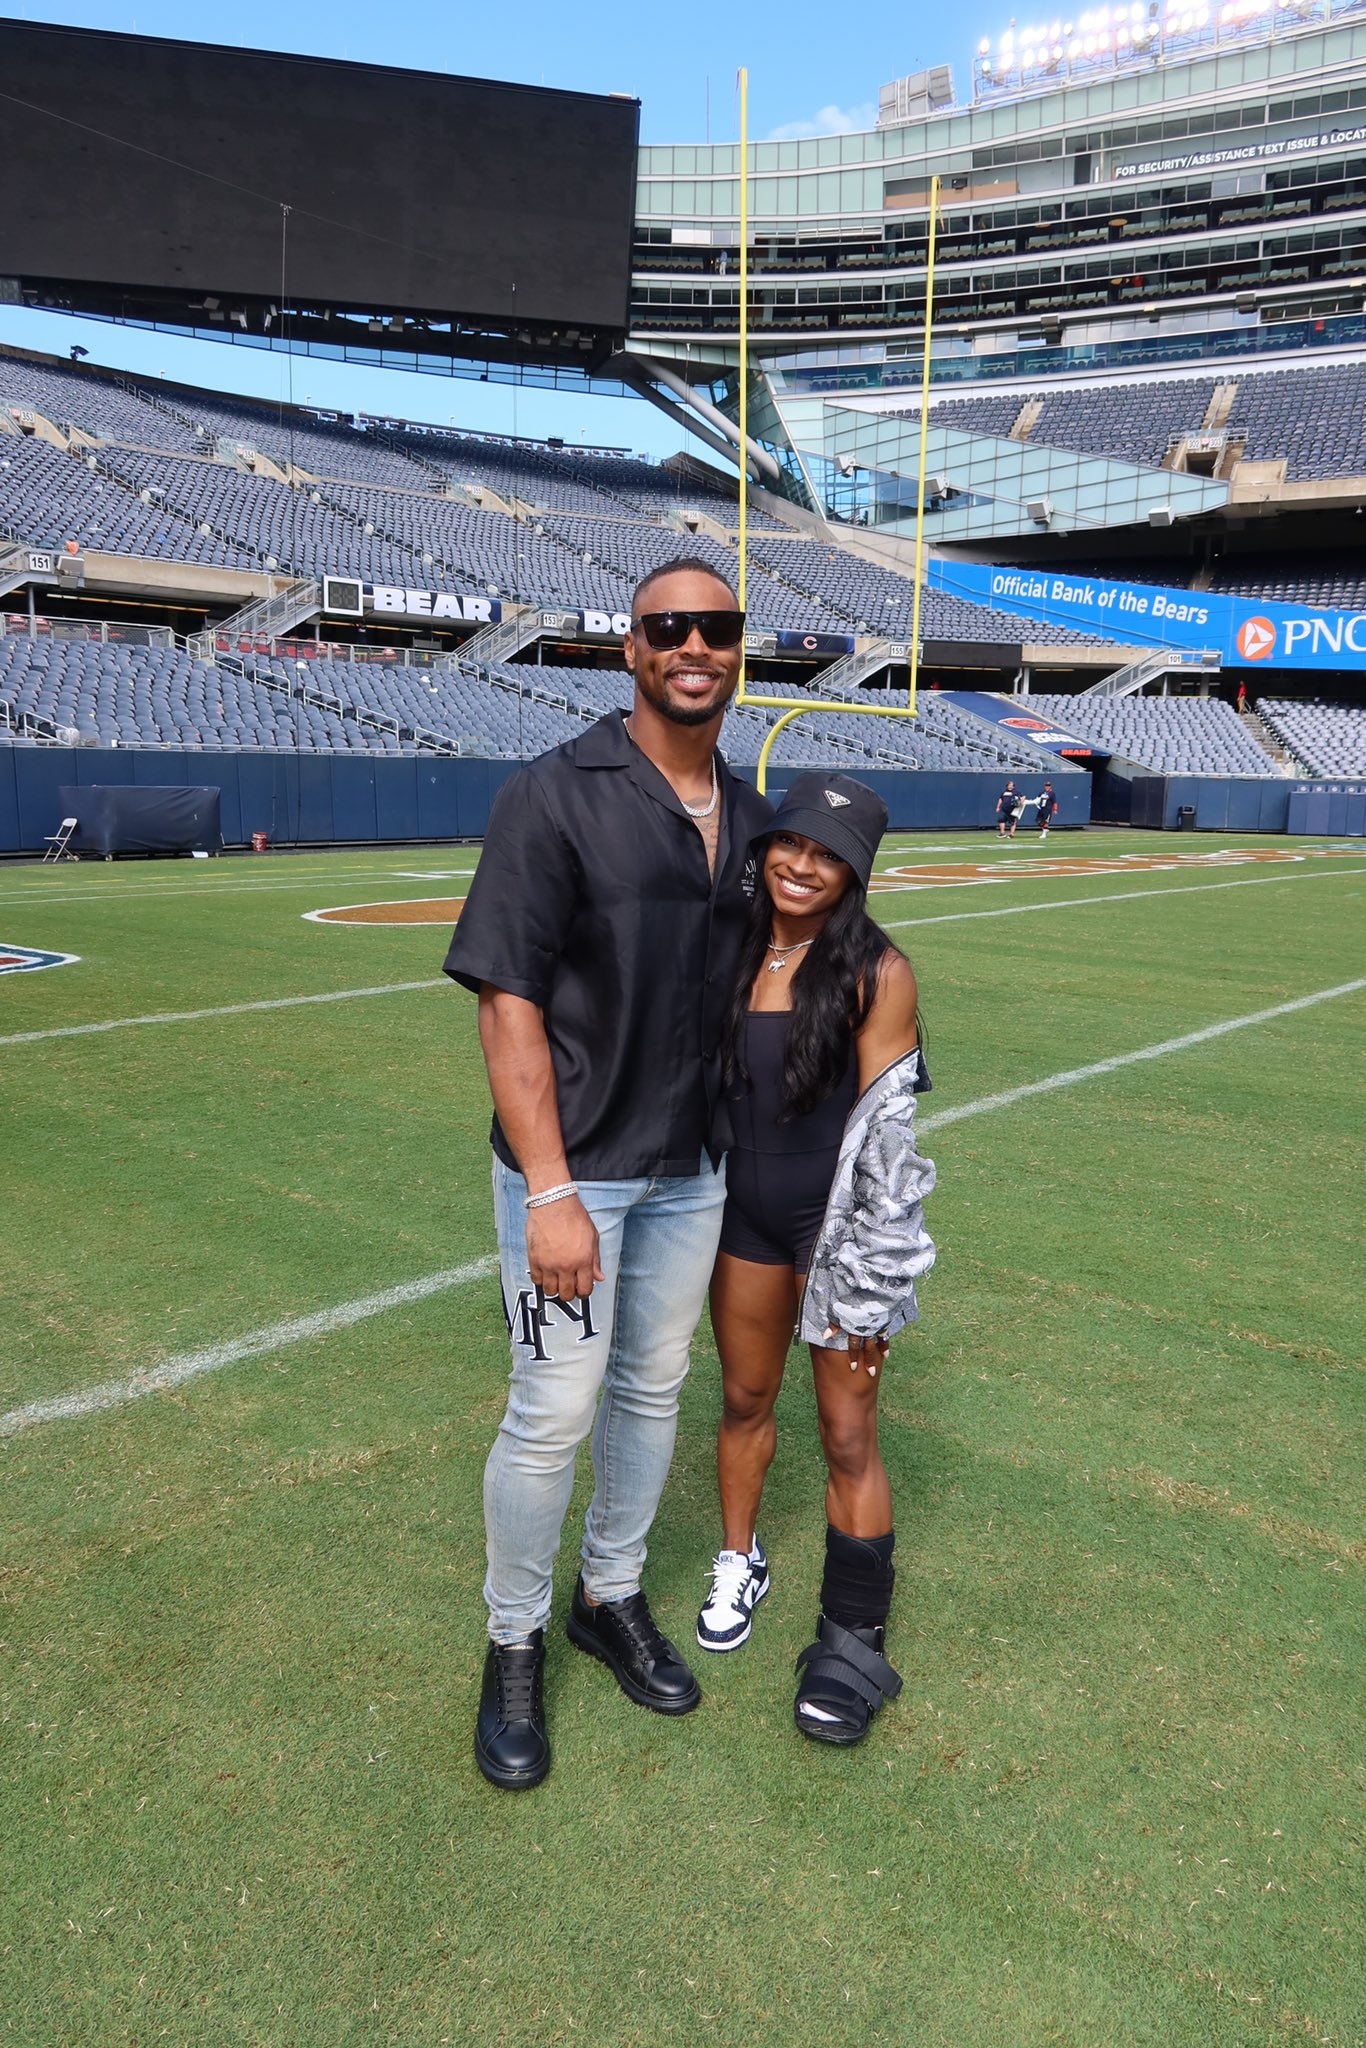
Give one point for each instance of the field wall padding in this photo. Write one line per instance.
(357, 799)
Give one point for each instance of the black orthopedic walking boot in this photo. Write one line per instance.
(646, 1665)
(844, 1677)
(511, 1747)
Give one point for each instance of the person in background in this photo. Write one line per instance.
(823, 1215)
(1005, 810)
(1046, 809)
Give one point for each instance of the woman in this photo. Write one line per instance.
(822, 1211)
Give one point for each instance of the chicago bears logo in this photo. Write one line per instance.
(24, 959)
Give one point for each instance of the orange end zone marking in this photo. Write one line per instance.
(445, 910)
(969, 874)
(426, 910)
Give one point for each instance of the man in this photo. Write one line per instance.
(1046, 809)
(602, 932)
(1006, 813)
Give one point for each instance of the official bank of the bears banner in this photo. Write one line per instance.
(1244, 632)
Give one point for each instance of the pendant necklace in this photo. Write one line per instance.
(777, 964)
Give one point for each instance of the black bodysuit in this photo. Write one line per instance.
(778, 1175)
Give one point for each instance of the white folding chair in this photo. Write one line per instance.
(58, 842)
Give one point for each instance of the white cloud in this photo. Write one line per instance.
(830, 120)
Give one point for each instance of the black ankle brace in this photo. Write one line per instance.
(856, 1587)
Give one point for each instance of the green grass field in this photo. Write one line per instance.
(1119, 1799)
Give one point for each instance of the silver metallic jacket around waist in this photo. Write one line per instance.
(873, 1245)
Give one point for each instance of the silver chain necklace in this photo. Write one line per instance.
(693, 810)
(705, 810)
(777, 965)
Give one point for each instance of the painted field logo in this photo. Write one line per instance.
(23, 959)
(1256, 639)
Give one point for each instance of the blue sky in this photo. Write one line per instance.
(807, 76)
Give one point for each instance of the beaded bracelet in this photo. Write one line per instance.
(549, 1195)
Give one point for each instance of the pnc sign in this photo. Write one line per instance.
(1256, 639)
(1216, 628)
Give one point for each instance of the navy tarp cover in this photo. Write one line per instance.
(129, 819)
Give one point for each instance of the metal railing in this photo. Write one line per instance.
(852, 669)
(1123, 682)
(268, 618)
(518, 628)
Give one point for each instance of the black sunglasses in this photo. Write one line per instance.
(666, 630)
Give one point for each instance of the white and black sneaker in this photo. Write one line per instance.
(738, 1584)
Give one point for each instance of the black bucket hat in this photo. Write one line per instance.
(840, 814)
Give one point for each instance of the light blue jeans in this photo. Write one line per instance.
(623, 1353)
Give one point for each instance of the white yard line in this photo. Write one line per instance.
(1115, 896)
(38, 897)
(190, 1365)
(1072, 1075)
(174, 1372)
(892, 924)
(340, 995)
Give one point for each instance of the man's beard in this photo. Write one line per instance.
(657, 697)
(689, 714)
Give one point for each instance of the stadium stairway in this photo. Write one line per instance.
(270, 618)
(505, 639)
(156, 403)
(110, 460)
(366, 719)
(14, 566)
(440, 478)
(445, 564)
(1136, 675)
(1284, 761)
(847, 675)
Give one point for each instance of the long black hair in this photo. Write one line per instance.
(832, 992)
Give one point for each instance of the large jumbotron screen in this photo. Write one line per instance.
(131, 161)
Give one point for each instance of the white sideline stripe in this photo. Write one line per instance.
(176, 1371)
(1116, 896)
(190, 1365)
(1072, 1075)
(38, 898)
(340, 995)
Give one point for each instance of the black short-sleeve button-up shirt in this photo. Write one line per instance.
(594, 901)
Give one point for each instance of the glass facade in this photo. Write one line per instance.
(862, 468)
(1165, 193)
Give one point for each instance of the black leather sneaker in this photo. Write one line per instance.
(511, 1746)
(646, 1665)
